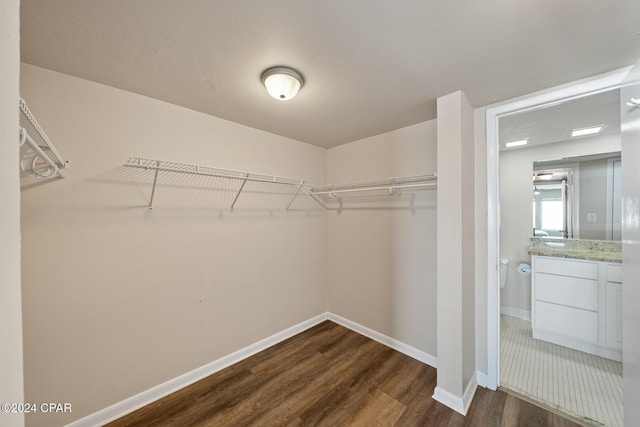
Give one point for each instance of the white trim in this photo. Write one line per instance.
(575, 207)
(555, 95)
(520, 313)
(481, 377)
(610, 193)
(609, 201)
(458, 404)
(449, 399)
(388, 341)
(493, 251)
(469, 392)
(146, 397)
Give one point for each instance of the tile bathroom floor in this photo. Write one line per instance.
(579, 384)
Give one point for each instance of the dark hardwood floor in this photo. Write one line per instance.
(330, 376)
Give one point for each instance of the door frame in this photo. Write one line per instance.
(578, 89)
(611, 181)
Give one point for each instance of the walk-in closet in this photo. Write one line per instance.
(278, 213)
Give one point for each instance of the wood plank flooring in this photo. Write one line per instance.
(330, 376)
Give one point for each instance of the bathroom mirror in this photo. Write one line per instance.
(578, 197)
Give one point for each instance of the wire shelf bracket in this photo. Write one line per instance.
(182, 168)
(235, 199)
(39, 158)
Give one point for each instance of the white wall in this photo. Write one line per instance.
(117, 299)
(516, 216)
(11, 365)
(381, 257)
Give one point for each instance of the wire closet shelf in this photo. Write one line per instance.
(39, 158)
(385, 187)
(190, 169)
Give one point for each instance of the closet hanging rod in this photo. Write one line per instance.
(386, 187)
(429, 180)
(26, 113)
(142, 163)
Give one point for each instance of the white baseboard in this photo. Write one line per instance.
(448, 399)
(388, 341)
(469, 392)
(146, 397)
(516, 312)
(482, 379)
(459, 404)
(129, 405)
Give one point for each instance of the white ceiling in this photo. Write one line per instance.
(370, 66)
(555, 123)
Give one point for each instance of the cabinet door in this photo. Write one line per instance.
(614, 273)
(614, 314)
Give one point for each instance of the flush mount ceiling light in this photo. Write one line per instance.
(282, 83)
(586, 131)
(517, 143)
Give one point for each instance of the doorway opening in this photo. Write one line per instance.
(495, 183)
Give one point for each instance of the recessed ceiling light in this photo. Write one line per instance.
(517, 143)
(586, 131)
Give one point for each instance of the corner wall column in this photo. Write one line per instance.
(457, 381)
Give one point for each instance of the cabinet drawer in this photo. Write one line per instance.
(614, 273)
(564, 267)
(570, 322)
(569, 291)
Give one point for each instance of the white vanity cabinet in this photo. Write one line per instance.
(576, 304)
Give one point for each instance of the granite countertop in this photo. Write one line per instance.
(594, 250)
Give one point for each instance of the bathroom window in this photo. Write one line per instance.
(552, 214)
(549, 210)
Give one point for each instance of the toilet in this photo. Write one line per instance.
(504, 269)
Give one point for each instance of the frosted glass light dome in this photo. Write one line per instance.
(282, 83)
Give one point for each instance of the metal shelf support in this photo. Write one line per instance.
(238, 193)
(286, 210)
(153, 189)
(35, 146)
